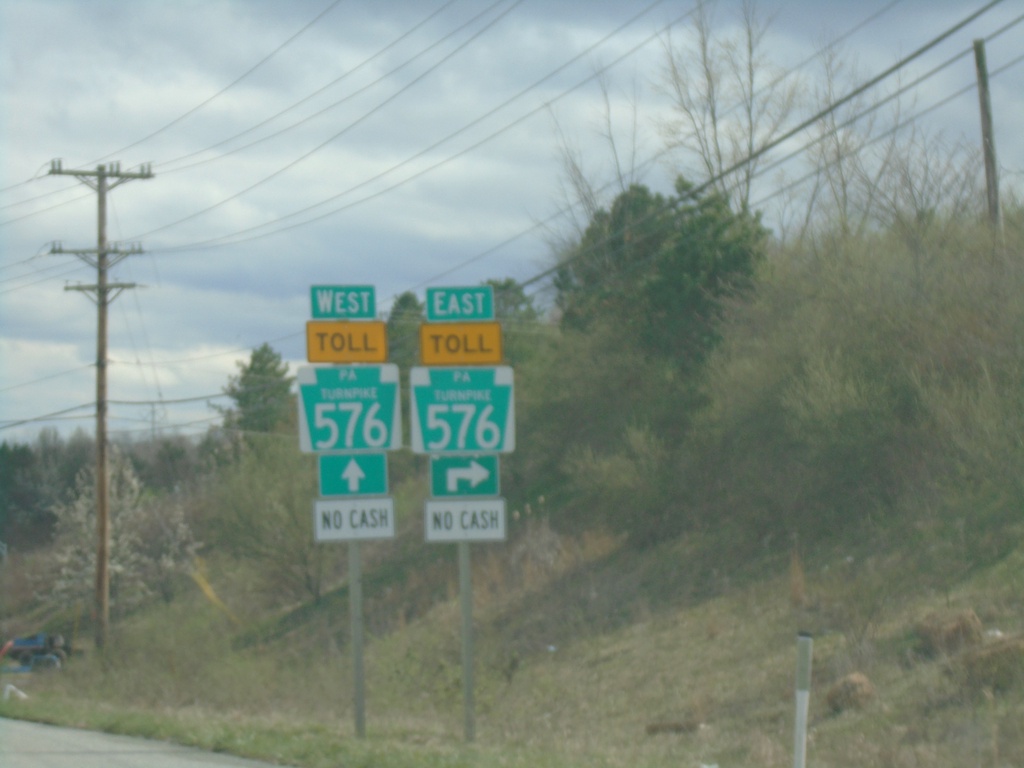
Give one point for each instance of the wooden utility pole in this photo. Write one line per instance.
(988, 141)
(102, 293)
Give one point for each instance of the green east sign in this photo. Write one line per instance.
(448, 305)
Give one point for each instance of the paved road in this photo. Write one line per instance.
(31, 745)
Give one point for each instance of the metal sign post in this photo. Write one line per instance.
(355, 609)
(466, 600)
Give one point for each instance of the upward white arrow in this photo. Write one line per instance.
(475, 474)
(353, 475)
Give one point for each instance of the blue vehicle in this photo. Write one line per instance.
(39, 651)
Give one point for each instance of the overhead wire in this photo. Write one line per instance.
(42, 196)
(344, 130)
(41, 379)
(775, 82)
(917, 82)
(294, 105)
(309, 25)
(345, 75)
(167, 126)
(892, 97)
(229, 239)
(657, 157)
(65, 271)
(18, 185)
(47, 417)
(899, 126)
(506, 12)
(864, 87)
(827, 47)
(767, 146)
(53, 207)
(233, 239)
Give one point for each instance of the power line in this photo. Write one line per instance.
(53, 207)
(348, 127)
(891, 97)
(329, 85)
(18, 185)
(47, 417)
(229, 239)
(227, 87)
(174, 401)
(161, 130)
(42, 196)
(775, 82)
(41, 379)
(890, 131)
(65, 271)
(238, 135)
(219, 241)
(166, 127)
(659, 155)
(834, 106)
(899, 126)
(699, 189)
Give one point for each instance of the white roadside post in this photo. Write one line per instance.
(804, 644)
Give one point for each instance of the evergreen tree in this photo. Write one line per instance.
(403, 330)
(262, 393)
(18, 496)
(519, 320)
(659, 268)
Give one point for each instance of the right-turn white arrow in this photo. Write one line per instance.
(474, 474)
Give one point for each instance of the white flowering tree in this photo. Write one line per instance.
(150, 542)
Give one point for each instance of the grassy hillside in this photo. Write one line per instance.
(847, 461)
(592, 655)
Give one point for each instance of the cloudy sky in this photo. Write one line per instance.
(397, 144)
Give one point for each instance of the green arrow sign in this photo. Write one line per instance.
(462, 410)
(349, 408)
(464, 475)
(353, 474)
(455, 304)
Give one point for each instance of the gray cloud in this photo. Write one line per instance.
(84, 80)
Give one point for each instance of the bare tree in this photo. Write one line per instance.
(877, 170)
(727, 99)
(848, 162)
(582, 192)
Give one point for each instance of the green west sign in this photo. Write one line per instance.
(343, 302)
